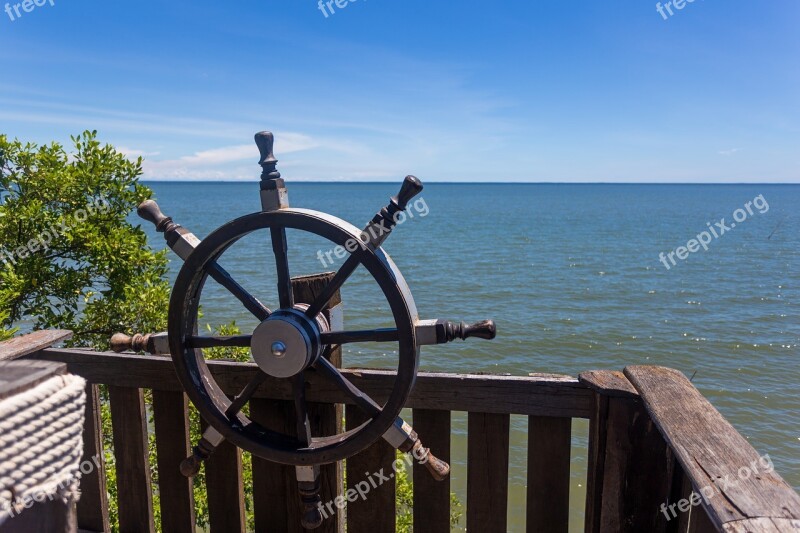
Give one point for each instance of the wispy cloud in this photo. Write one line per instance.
(729, 152)
(215, 163)
(133, 152)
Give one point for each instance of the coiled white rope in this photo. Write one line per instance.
(41, 443)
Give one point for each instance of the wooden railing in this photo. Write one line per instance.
(653, 441)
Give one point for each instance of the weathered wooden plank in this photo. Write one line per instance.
(225, 489)
(275, 492)
(636, 479)
(431, 497)
(18, 376)
(375, 512)
(325, 419)
(32, 342)
(610, 383)
(598, 430)
(630, 472)
(129, 422)
(763, 525)
(92, 508)
(549, 448)
(738, 484)
(276, 499)
(171, 420)
(487, 471)
(701, 523)
(536, 395)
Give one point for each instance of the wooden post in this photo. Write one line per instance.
(131, 449)
(629, 470)
(93, 505)
(52, 515)
(742, 490)
(275, 493)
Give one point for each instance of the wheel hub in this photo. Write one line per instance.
(287, 342)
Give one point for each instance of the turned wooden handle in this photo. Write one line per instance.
(439, 469)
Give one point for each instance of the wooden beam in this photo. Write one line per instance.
(549, 449)
(375, 513)
(171, 421)
(739, 484)
(93, 505)
(629, 468)
(19, 376)
(487, 472)
(276, 498)
(134, 488)
(32, 342)
(431, 497)
(533, 395)
(225, 489)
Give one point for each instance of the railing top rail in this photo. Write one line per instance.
(32, 342)
(535, 394)
(740, 489)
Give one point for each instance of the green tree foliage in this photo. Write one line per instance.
(68, 257)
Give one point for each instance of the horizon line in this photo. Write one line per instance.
(369, 182)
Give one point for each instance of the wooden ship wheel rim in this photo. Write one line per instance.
(211, 401)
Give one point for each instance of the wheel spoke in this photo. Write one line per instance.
(370, 335)
(221, 276)
(301, 409)
(236, 341)
(280, 247)
(244, 396)
(334, 285)
(364, 402)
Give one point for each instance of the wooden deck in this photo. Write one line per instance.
(654, 440)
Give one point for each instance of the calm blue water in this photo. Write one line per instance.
(571, 274)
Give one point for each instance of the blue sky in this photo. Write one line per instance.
(556, 90)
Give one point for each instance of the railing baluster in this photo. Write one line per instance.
(487, 472)
(549, 447)
(92, 508)
(431, 497)
(134, 489)
(171, 419)
(376, 512)
(276, 500)
(225, 489)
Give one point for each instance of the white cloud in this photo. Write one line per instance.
(729, 152)
(133, 152)
(213, 164)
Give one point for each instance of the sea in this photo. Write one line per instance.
(701, 278)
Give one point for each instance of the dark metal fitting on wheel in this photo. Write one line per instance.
(152, 343)
(442, 331)
(207, 445)
(382, 224)
(180, 240)
(274, 194)
(403, 437)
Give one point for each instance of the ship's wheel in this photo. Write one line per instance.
(292, 339)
